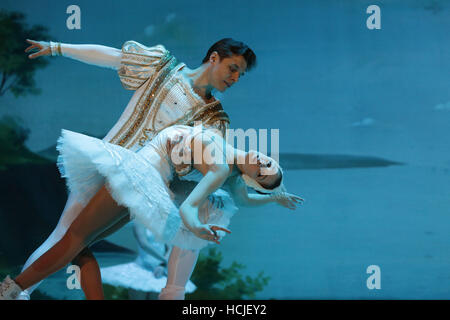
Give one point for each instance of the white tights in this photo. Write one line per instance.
(179, 269)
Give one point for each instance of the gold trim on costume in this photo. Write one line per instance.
(144, 106)
(140, 125)
(205, 114)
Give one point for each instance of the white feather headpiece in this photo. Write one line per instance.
(252, 183)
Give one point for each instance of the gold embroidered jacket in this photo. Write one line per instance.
(163, 97)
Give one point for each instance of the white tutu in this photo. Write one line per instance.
(134, 276)
(138, 181)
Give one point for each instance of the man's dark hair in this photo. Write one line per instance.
(228, 47)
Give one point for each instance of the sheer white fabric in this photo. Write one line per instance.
(135, 275)
(180, 268)
(94, 54)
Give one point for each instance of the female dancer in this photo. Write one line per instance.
(139, 182)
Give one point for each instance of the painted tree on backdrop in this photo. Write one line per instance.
(213, 281)
(218, 283)
(17, 70)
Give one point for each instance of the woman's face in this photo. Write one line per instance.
(226, 72)
(261, 168)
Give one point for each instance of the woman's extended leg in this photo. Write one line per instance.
(70, 212)
(98, 215)
(85, 260)
(179, 269)
(90, 275)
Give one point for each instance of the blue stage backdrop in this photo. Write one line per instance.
(359, 91)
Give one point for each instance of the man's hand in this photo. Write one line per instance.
(42, 46)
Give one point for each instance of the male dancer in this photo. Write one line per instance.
(166, 93)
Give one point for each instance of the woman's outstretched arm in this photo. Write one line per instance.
(240, 194)
(95, 54)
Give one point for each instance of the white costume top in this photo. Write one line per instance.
(163, 96)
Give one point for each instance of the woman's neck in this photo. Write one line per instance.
(239, 159)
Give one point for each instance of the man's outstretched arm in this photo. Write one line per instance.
(94, 54)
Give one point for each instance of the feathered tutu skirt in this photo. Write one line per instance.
(134, 276)
(138, 181)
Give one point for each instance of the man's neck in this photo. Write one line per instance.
(199, 81)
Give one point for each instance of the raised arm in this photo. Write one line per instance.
(94, 54)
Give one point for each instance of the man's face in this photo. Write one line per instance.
(226, 72)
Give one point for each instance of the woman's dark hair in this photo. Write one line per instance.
(228, 47)
(274, 185)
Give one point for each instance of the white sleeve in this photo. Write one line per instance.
(98, 55)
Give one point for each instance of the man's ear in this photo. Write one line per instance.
(214, 57)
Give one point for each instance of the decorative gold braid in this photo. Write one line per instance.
(148, 112)
(131, 119)
(208, 113)
(189, 120)
(163, 90)
(142, 109)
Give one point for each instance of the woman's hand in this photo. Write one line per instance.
(42, 46)
(289, 200)
(209, 232)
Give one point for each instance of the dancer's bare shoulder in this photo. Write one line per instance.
(210, 153)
